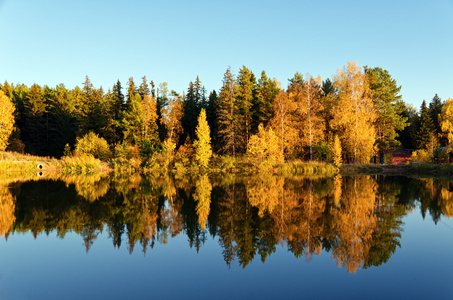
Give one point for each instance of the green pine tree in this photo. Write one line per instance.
(426, 127)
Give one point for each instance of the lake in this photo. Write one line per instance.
(225, 237)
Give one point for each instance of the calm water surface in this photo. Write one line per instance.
(260, 237)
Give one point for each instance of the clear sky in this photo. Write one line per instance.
(51, 42)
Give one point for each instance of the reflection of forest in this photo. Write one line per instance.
(356, 219)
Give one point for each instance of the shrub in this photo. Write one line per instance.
(421, 156)
(388, 159)
(80, 163)
(323, 152)
(92, 144)
(441, 155)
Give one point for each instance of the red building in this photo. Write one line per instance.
(401, 156)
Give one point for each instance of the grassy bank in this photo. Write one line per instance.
(14, 162)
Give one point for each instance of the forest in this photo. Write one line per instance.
(360, 107)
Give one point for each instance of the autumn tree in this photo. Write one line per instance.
(263, 148)
(337, 152)
(308, 99)
(354, 114)
(171, 116)
(328, 101)
(6, 120)
(446, 120)
(94, 145)
(284, 123)
(202, 144)
(150, 128)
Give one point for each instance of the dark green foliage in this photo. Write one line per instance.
(384, 92)
(408, 136)
(435, 108)
(265, 92)
(34, 122)
(194, 101)
(245, 84)
(426, 128)
(228, 115)
(211, 117)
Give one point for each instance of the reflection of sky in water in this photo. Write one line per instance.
(53, 268)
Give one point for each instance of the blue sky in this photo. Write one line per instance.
(52, 42)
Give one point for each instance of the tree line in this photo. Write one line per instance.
(362, 107)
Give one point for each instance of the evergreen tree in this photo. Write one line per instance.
(426, 127)
(116, 107)
(388, 105)
(143, 89)
(34, 128)
(131, 91)
(62, 121)
(328, 100)
(194, 101)
(435, 108)
(161, 103)
(408, 136)
(244, 98)
(264, 95)
(228, 116)
(211, 116)
(132, 121)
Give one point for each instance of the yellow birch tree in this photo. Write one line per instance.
(446, 120)
(354, 115)
(284, 123)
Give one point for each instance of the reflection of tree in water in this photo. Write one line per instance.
(7, 207)
(354, 222)
(357, 219)
(90, 187)
(202, 195)
(388, 214)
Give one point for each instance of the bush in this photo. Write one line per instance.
(92, 144)
(128, 154)
(80, 163)
(441, 155)
(322, 152)
(421, 156)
